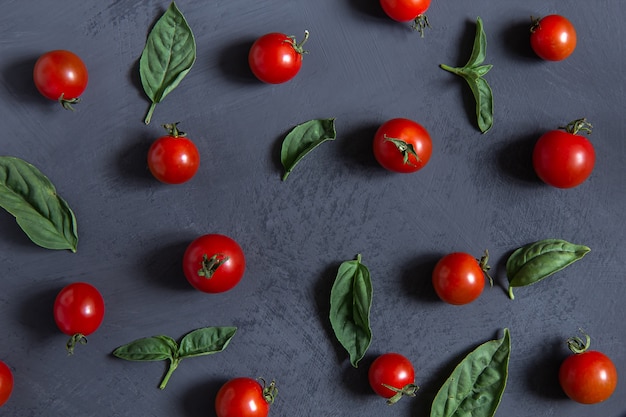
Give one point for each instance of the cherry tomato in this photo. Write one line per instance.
(392, 376)
(78, 312)
(587, 376)
(173, 159)
(553, 37)
(459, 278)
(61, 75)
(214, 263)
(408, 10)
(244, 397)
(402, 145)
(6, 383)
(563, 158)
(276, 58)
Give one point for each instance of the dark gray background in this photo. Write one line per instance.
(478, 192)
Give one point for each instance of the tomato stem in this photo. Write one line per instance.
(173, 365)
(74, 340)
(269, 391)
(406, 149)
(67, 103)
(172, 130)
(298, 47)
(408, 390)
(210, 265)
(420, 24)
(483, 263)
(578, 125)
(577, 345)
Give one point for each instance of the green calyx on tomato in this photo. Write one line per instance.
(405, 148)
(409, 390)
(577, 345)
(298, 47)
(172, 130)
(578, 125)
(210, 265)
(420, 24)
(269, 391)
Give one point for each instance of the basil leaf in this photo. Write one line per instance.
(350, 305)
(476, 385)
(538, 260)
(32, 199)
(302, 139)
(155, 348)
(473, 73)
(205, 341)
(169, 54)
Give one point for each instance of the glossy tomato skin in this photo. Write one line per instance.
(275, 58)
(241, 397)
(562, 159)
(173, 159)
(389, 140)
(60, 73)
(553, 38)
(404, 10)
(79, 309)
(589, 377)
(223, 273)
(6, 383)
(458, 278)
(391, 369)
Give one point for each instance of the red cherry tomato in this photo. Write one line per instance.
(459, 278)
(553, 37)
(214, 263)
(564, 159)
(587, 376)
(276, 58)
(61, 75)
(402, 145)
(78, 312)
(6, 383)
(392, 376)
(244, 397)
(173, 159)
(408, 10)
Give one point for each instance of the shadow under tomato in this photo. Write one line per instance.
(36, 314)
(164, 265)
(369, 8)
(355, 146)
(417, 278)
(132, 163)
(542, 375)
(19, 81)
(515, 158)
(233, 62)
(516, 37)
(199, 401)
(356, 379)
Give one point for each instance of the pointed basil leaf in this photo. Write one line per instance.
(169, 54)
(155, 348)
(476, 385)
(479, 50)
(32, 199)
(350, 305)
(302, 139)
(538, 260)
(205, 341)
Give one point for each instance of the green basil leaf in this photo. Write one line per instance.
(476, 385)
(350, 305)
(169, 54)
(32, 199)
(484, 103)
(155, 348)
(205, 341)
(538, 260)
(302, 139)
(479, 49)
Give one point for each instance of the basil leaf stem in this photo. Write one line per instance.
(199, 342)
(477, 384)
(27, 194)
(539, 260)
(302, 139)
(350, 305)
(169, 54)
(473, 72)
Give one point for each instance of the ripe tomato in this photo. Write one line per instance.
(214, 263)
(78, 312)
(587, 376)
(564, 159)
(244, 397)
(408, 10)
(459, 278)
(173, 159)
(402, 145)
(6, 383)
(61, 75)
(392, 376)
(553, 37)
(276, 58)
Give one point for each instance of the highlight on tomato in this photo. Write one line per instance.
(173, 158)
(408, 11)
(214, 263)
(6, 383)
(392, 376)
(553, 37)
(459, 278)
(245, 397)
(402, 145)
(563, 158)
(276, 58)
(62, 76)
(587, 376)
(78, 312)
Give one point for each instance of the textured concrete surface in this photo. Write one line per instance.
(477, 192)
